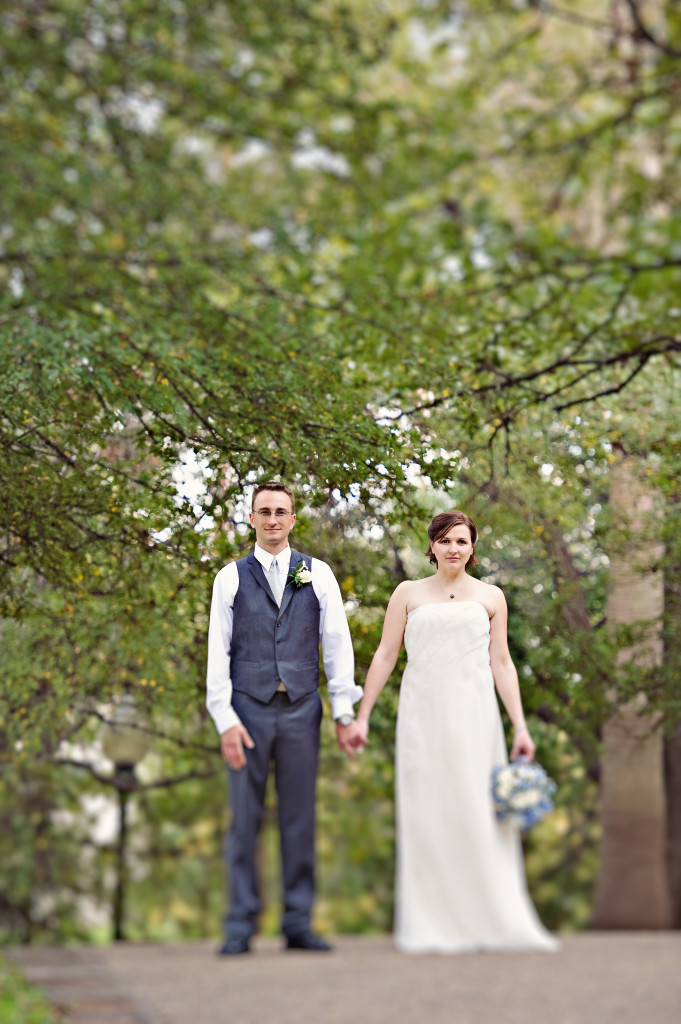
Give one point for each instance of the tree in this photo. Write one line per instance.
(328, 241)
(632, 883)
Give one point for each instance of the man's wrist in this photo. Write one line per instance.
(226, 720)
(346, 718)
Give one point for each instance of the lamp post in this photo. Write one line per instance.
(125, 743)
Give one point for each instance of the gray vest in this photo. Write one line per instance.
(270, 644)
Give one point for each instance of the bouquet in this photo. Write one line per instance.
(522, 792)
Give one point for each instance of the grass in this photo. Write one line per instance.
(21, 1003)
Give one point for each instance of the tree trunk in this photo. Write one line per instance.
(672, 659)
(631, 889)
(673, 780)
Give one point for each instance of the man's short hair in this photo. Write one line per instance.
(272, 485)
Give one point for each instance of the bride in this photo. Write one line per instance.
(460, 883)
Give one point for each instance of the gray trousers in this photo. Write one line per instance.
(287, 735)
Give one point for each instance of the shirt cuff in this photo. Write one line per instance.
(343, 706)
(226, 719)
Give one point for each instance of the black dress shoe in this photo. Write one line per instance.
(308, 940)
(234, 947)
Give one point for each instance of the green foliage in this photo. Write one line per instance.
(47, 854)
(20, 1003)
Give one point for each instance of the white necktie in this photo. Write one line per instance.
(275, 580)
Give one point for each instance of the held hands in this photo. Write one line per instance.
(352, 738)
(232, 743)
(523, 745)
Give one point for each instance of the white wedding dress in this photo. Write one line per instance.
(460, 882)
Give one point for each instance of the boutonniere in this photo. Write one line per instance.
(300, 576)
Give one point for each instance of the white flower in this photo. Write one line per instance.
(525, 798)
(301, 575)
(504, 785)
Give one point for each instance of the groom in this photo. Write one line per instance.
(269, 613)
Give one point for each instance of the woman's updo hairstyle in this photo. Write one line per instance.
(442, 524)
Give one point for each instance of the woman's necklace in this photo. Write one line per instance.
(452, 596)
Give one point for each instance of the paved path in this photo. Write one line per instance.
(596, 978)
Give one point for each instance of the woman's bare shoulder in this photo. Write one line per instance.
(406, 591)
(407, 585)
(489, 595)
(407, 588)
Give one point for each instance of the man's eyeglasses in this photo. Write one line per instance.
(265, 513)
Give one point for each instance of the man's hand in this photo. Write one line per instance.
(232, 743)
(351, 738)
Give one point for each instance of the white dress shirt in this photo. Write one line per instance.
(334, 636)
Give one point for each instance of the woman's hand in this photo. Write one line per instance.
(350, 738)
(523, 745)
(362, 731)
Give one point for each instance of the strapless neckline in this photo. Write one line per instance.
(446, 604)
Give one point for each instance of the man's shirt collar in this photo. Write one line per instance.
(265, 558)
